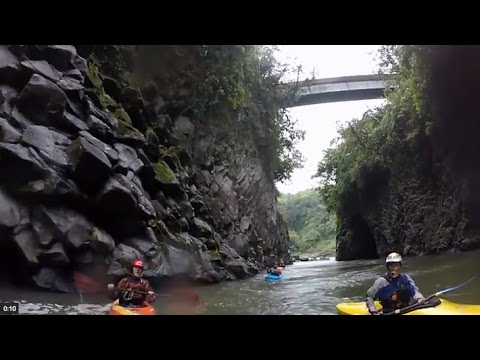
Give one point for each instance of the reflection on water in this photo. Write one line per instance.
(309, 288)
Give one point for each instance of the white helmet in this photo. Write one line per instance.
(394, 257)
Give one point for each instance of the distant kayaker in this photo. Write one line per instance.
(394, 290)
(275, 271)
(133, 290)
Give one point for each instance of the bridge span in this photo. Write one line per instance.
(346, 88)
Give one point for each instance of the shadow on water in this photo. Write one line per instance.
(309, 288)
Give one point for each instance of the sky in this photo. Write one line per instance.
(320, 121)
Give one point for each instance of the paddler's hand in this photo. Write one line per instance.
(151, 293)
(110, 287)
(421, 300)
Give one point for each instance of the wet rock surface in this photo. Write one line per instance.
(93, 175)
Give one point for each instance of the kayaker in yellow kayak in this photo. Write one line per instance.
(394, 290)
(133, 290)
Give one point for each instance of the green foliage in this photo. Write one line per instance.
(386, 138)
(311, 227)
(241, 85)
(237, 89)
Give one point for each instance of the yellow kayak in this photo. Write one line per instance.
(444, 308)
(116, 309)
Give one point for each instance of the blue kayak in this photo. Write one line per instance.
(273, 277)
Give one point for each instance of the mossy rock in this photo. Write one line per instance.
(170, 158)
(172, 150)
(163, 173)
(106, 101)
(124, 128)
(151, 137)
(214, 255)
(93, 74)
(123, 116)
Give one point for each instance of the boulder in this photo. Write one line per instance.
(9, 66)
(19, 120)
(91, 166)
(69, 84)
(101, 241)
(19, 165)
(81, 64)
(54, 256)
(240, 243)
(180, 261)
(160, 267)
(53, 279)
(99, 129)
(7, 96)
(160, 176)
(51, 187)
(127, 159)
(79, 107)
(49, 144)
(10, 211)
(145, 247)
(237, 267)
(200, 228)
(42, 101)
(71, 123)
(8, 133)
(27, 242)
(107, 149)
(103, 116)
(124, 206)
(74, 74)
(79, 232)
(61, 56)
(183, 129)
(83, 256)
(61, 224)
(42, 68)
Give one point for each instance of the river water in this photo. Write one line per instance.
(307, 288)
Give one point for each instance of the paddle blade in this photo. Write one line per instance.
(454, 288)
(87, 284)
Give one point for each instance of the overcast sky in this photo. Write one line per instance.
(320, 121)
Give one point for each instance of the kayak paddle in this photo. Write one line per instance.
(418, 306)
(87, 285)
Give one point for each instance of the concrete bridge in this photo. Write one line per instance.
(346, 88)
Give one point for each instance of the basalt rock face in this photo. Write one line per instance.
(432, 204)
(94, 175)
(412, 216)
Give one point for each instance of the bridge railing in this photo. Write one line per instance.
(346, 88)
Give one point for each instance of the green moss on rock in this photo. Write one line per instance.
(122, 116)
(93, 74)
(214, 255)
(163, 173)
(151, 137)
(124, 128)
(106, 101)
(170, 155)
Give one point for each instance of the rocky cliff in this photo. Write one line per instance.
(95, 173)
(427, 200)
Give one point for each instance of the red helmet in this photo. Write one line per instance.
(138, 263)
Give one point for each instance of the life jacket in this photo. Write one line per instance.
(136, 287)
(397, 294)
